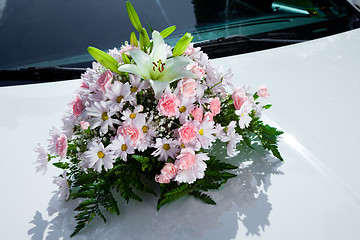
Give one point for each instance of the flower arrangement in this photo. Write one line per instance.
(148, 113)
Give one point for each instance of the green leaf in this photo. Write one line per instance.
(133, 39)
(267, 106)
(182, 44)
(61, 165)
(134, 18)
(167, 31)
(203, 197)
(150, 28)
(104, 59)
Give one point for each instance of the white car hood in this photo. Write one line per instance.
(314, 194)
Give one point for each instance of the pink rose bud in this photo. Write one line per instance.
(84, 125)
(239, 98)
(262, 92)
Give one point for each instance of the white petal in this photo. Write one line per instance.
(159, 87)
(159, 48)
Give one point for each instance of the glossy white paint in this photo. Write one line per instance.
(314, 90)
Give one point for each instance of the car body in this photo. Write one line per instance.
(314, 193)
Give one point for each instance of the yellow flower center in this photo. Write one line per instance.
(166, 146)
(182, 109)
(123, 147)
(242, 114)
(119, 99)
(132, 116)
(104, 116)
(133, 89)
(145, 129)
(100, 154)
(182, 145)
(201, 132)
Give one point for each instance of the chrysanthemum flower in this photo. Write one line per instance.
(165, 148)
(134, 117)
(98, 156)
(231, 138)
(243, 113)
(102, 116)
(42, 159)
(122, 146)
(62, 182)
(206, 133)
(118, 94)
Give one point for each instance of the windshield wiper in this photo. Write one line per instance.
(38, 75)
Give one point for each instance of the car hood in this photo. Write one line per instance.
(314, 90)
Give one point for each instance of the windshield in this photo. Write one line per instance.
(41, 33)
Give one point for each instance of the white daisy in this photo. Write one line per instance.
(186, 106)
(122, 146)
(42, 159)
(165, 148)
(118, 94)
(62, 182)
(134, 117)
(137, 84)
(98, 156)
(243, 113)
(206, 134)
(102, 116)
(231, 138)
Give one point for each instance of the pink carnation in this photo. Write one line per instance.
(187, 87)
(127, 48)
(215, 106)
(169, 170)
(130, 130)
(196, 69)
(239, 98)
(186, 159)
(77, 106)
(160, 178)
(104, 80)
(61, 145)
(262, 92)
(197, 114)
(187, 132)
(168, 104)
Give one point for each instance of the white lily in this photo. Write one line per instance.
(155, 67)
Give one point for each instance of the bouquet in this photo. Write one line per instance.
(144, 119)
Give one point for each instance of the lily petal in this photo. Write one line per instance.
(158, 87)
(142, 61)
(159, 49)
(130, 68)
(175, 69)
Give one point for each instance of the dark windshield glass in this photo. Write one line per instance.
(47, 33)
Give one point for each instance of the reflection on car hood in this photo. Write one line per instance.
(314, 90)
